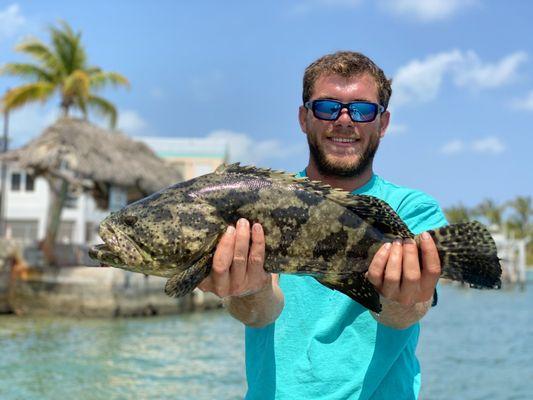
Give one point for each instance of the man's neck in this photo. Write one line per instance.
(346, 183)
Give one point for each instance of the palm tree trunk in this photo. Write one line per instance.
(58, 195)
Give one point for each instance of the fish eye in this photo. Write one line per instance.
(129, 219)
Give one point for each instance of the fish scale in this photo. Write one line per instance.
(310, 229)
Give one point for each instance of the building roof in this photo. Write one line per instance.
(89, 155)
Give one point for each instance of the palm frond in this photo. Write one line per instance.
(32, 92)
(41, 52)
(67, 45)
(104, 108)
(100, 79)
(29, 71)
(77, 84)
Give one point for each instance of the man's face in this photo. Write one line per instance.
(360, 140)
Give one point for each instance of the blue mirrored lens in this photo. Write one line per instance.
(326, 109)
(363, 112)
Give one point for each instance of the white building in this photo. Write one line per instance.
(26, 210)
(27, 199)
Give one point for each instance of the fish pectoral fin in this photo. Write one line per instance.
(184, 282)
(356, 287)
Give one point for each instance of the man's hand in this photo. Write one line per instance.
(407, 288)
(238, 267)
(250, 294)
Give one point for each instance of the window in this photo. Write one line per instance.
(30, 183)
(65, 233)
(23, 230)
(91, 230)
(71, 201)
(21, 181)
(15, 181)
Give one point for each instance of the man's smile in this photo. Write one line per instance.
(342, 143)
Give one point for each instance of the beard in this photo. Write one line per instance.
(328, 167)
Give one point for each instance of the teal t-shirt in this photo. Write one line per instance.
(325, 345)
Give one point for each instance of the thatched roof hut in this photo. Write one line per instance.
(94, 159)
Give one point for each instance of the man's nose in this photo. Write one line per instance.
(344, 118)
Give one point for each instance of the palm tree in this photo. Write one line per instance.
(62, 68)
(489, 210)
(521, 220)
(457, 214)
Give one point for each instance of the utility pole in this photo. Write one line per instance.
(3, 176)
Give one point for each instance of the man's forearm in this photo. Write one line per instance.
(395, 315)
(258, 309)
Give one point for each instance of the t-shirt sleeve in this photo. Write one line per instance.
(423, 215)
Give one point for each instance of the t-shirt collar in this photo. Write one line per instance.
(365, 188)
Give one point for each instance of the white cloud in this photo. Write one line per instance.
(420, 81)
(524, 104)
(419, 10)
(475, 73)
(426, 10)
(130, 122)
(491, 145)
(248, 150)
(487, 145)
(11, 20)
(453, 147)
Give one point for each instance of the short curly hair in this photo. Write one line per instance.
(347, 64)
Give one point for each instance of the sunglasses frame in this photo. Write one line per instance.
(310, 106)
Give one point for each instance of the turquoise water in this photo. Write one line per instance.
(474, 345)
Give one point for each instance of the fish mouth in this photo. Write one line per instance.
(118, 249)
(106, 257)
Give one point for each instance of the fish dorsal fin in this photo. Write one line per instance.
(237, 168)
(372, 210)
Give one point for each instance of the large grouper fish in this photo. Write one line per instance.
(310, 229)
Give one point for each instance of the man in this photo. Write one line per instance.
(303, 340)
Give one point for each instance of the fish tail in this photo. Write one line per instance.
(468, 254)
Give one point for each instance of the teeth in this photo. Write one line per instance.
(343, 140)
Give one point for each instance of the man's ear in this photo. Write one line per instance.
(302, 118)
(384, 119)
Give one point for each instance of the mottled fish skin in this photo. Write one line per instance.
(310, 229)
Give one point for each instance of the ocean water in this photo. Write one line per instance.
(474, 345)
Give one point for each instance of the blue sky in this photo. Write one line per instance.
(462, 107)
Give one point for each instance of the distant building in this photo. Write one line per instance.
(27, 207)
(27, 199)
(192, 156)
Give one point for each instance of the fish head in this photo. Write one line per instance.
(158, 235)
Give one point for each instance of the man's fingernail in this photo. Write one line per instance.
(242, 222)
(398, 242)
(257, 228)
(387, 245)
(408, 241)
(425, 236)
(230, 230)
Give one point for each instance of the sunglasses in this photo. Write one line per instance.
(330, 110)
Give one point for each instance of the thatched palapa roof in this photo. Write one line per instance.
(93, 158)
